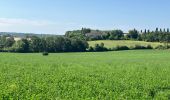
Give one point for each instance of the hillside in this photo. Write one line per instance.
(23, 35)
(114, 43)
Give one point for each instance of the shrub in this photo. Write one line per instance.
(117, 48)
(161, 47)
(139, 47)
(149, 47)
(90, 49)
(100, 47)
(45, 54)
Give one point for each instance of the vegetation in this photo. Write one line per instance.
(36, 44)
(76, 41)
(128, 43)
(45, 54)
(159, 35)
(143, 74)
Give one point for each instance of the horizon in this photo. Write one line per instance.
(57, 17)
(88, 28)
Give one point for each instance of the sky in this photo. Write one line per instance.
(59, 16)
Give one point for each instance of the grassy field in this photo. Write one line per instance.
(141, 74)
(114, 43)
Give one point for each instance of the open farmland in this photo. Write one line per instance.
(141, 74)
(129, 43)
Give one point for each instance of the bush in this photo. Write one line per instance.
(161, 47)
(139, 47)
(100, 47)
(117, 48)
(45, 54)
(90, 49)
(142, 47)
(149, 47)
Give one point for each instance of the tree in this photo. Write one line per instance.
(77, 34)
(116, 35)
(36, 44)
(133, 34)
(148, 31)
(168, 30)
(167, 39)
(100, 47)
(145, 31)
(164, 30)
(141, 31)
(9, 42)
(21, 46)
(157, 29)
(85, 30)
(160, 30)
(79, 45)
(6, 42)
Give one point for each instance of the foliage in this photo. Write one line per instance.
(117, 48)
(50, 44)
(20, 46)
(99, 48)
(76, 41)
(116, 35)
(159, 35)
(45, 54)
(162, 47)
(133, 34)
(129, 43)
(6, 42)
(77, 34)
(142, 47)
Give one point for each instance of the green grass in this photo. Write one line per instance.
(141, 74)
(114, 43)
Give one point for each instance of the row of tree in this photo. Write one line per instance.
(48, 44)
(159, 35)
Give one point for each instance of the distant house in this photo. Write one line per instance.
(17, 38)
(95, 34)
(8, 37)
(125, 34)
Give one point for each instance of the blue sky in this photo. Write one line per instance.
(58, 16)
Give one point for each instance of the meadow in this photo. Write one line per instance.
(134, 74)
(129, 43)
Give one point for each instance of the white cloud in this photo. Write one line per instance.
(42, 26)
(14, 21)
(29, 26)
(37, 26)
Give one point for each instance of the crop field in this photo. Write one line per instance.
(140, 74)
(129, 43)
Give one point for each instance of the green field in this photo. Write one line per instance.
(129, 43)
(141, 74)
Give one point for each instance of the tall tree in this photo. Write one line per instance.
(167, 30)
(133, 34)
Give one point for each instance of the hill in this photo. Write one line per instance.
(23, 35)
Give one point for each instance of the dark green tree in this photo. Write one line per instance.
(133, 34)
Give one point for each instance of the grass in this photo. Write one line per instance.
(114, 43)
(141, 74)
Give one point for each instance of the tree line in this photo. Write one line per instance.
(159, 35)
(76, 41)
(48, 44)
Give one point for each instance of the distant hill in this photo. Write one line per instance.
(23, 35)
